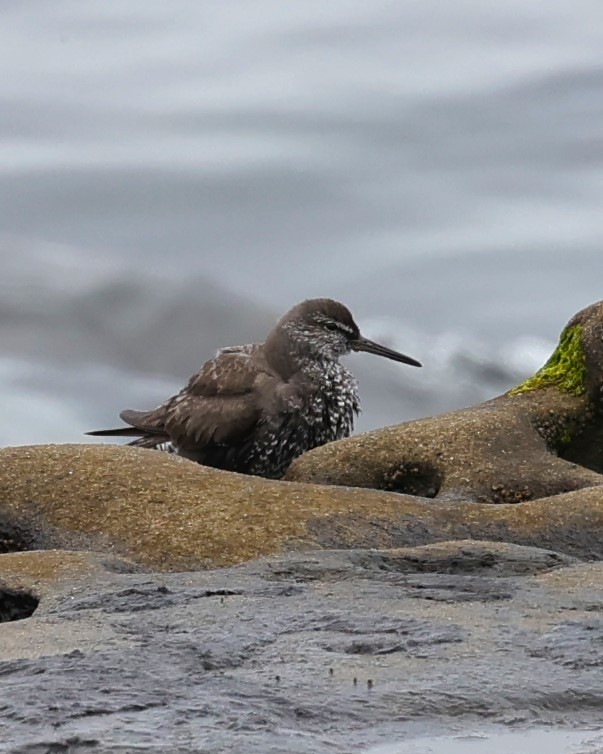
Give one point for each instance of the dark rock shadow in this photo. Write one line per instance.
(16, 604)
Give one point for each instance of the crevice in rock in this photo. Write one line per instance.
(16, 604)
(13, 538)
(421, 479)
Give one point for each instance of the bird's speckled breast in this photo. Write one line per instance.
(327, 410)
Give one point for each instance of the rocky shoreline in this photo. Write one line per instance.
(433, 577)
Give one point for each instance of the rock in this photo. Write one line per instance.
(49, 571)
(543, 438)
(167, 513)
(462, 557)
(306, 652)
(335, 617)
(52, 578)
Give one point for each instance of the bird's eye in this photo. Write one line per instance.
(332, 326)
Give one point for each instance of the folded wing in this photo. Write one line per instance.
(219, 405)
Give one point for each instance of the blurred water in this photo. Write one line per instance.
(176, 175)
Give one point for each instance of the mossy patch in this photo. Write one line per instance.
(565, 370)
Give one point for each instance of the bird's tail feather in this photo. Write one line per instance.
(118, 432)
(143, 440)
(141, 424)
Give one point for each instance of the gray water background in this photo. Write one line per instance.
(176, 175)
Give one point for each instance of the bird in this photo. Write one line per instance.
(254, 408)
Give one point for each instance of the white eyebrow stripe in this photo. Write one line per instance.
(330, 321)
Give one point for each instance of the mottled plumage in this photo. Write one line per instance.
(254, 408)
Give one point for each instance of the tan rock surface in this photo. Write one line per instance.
(54, 577)
(45, 572)
(170, 514)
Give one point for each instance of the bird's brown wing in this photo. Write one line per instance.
(220, 404)
(231, 372)
(149, 422)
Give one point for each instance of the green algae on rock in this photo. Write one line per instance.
(565, 370)
(543, 438)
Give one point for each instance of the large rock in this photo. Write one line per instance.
(373, 616)
(308, 653)
(543, 438)
(167, 513)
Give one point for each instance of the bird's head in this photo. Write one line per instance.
(326, 329)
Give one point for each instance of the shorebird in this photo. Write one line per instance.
(254, 408)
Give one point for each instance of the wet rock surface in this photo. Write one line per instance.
(543, 438)
(317, 652)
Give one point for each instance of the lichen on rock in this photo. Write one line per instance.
(565, 369)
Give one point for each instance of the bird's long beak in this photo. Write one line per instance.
(369, 346)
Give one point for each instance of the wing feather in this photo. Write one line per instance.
(220, 404)
(149, 422)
